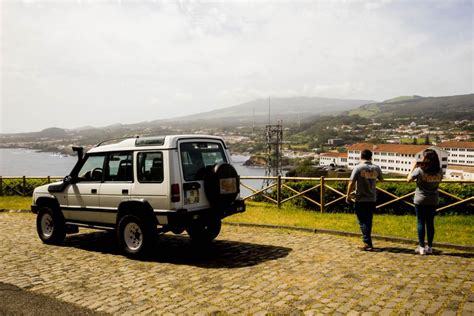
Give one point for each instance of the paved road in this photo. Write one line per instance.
(15, 301)
(247, 270)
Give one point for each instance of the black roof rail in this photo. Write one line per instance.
(113, 139)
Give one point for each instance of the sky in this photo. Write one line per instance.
(70, 64)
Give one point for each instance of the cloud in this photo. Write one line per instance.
(135, 61)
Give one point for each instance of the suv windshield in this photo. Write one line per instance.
(196, 156)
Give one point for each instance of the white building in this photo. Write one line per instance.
(333, 158)
(459, 153)
(457, 172)
(393, 158)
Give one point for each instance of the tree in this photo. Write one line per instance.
(427, 140)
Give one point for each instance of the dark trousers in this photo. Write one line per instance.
(365, 214)
(425, 218)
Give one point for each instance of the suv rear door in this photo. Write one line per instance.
(152, 182)
(195, 156)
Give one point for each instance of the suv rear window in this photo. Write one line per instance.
(196, 156)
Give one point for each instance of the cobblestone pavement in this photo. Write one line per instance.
(246, 270)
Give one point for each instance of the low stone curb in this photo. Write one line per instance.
(351, 234)
(4, 210)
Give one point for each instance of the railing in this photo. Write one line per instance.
(24, 186)
(323, 184)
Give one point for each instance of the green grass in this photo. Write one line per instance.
(458, 229)
(15, 202)
(419, 141)
(366, 111)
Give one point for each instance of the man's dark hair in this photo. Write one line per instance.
(366, 154)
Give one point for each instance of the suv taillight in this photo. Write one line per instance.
(175, 193)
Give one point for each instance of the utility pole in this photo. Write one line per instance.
(269, 121)
(274, 141)
(253, 125)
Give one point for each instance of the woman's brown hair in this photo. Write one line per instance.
(430, 163)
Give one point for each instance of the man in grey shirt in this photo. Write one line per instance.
(363, 178)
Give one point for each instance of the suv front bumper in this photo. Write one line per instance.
(34, 208)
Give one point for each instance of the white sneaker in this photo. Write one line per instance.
(420, 250)
(428, 250)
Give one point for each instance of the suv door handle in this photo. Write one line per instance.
(124, 191)
(93, 191)
(191, 186)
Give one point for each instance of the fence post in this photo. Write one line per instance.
(279, 191)
(1, 186)
(321, 194)
(24, 185)
(49, 179)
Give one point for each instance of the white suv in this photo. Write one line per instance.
(140, 187)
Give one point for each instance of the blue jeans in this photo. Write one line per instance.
(365, 214)
(425, 218)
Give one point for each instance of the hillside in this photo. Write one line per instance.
(286, 109)
(459, 107)
(309, 121)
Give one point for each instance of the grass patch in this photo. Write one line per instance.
(419, 140)
(457, 229)
(15, 202)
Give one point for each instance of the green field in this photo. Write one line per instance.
(15, 202)
(419, 141)
(457, 229)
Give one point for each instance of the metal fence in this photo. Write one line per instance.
(273, 192)
(24, 186)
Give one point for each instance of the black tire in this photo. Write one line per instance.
(134, 236)
(219, 194)
(50, 226)
(204, 231)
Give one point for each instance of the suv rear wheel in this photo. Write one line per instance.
(50, 226)
(134, 236)
(204, 231)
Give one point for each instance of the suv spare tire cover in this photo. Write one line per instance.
(221, 184)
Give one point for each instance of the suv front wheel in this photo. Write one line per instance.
(204, 231)
(134, 236)
(50, 226)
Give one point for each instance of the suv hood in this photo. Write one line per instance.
(43, 189)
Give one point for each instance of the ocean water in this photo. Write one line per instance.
(26, 162)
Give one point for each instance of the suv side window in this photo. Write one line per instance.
(150, 167)
(196, 156)
(119, 167)
(92, 168)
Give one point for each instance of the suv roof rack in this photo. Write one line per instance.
(114, 139)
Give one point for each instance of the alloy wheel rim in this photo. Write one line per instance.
(133, 236)
(47, 225)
